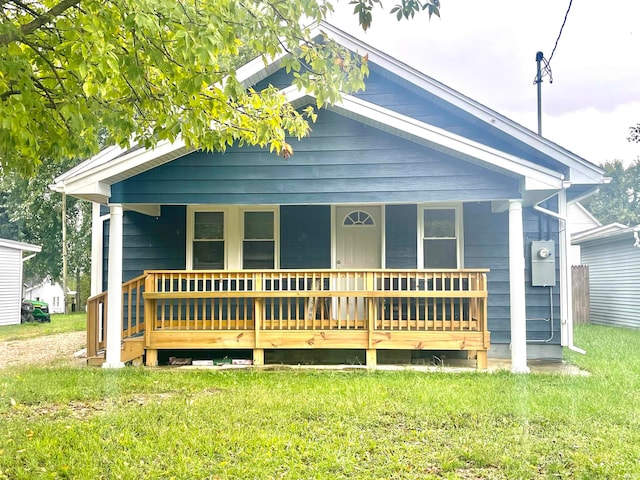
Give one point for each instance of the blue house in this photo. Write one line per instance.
(412, 219)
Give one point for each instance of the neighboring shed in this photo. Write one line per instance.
(11, 259)
(612, 253)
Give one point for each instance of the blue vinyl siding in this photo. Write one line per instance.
(305, 236)
(487, 246)
(342, 161)
(280, 79)
(149, 242)
(389, 91)
(401, 233)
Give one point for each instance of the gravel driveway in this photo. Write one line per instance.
(50, 349)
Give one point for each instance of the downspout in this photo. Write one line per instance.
(566, 312)
(29, 257)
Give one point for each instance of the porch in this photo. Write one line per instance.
(258, 310)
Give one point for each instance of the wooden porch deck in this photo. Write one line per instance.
(294, 309)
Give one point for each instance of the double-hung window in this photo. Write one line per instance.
(440, 232)
(258, 242)
(208, 241)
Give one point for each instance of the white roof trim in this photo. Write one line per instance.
(94, 177)
(25, 247)
(600, 233)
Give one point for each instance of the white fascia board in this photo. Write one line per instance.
(597, 233)
(98, 192)
(582, 171)
(98, 179)
(101, 157)
(25, 247)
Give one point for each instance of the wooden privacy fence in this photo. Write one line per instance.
(580, 293)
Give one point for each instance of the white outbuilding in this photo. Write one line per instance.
(12, 256)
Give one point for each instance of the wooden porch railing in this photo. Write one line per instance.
(132, 315)
(360, 309)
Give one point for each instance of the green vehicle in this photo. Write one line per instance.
(34, 311)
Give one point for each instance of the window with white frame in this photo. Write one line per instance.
(258, 242)
(208, 247)
(440, 232)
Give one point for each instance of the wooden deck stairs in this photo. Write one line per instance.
(132, 350)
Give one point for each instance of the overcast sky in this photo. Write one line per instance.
(486, 50)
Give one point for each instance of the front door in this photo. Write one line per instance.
(358, 246)
(358, 237)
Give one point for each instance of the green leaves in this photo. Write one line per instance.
(148, 70)
(408, 8)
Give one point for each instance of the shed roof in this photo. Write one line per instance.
(612, 231)
(25, 247)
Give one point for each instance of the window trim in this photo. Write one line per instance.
(276, 231)
(191, 230)
(233, 232)
(459, 230)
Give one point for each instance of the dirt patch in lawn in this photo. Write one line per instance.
(56, 349)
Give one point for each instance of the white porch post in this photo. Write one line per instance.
(96, 249)
(114, 290)
(516, 289)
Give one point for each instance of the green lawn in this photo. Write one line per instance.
(59, 324)
(160, 423)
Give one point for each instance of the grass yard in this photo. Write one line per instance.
(74, 322)
(159, 423)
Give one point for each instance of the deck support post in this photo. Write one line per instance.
(481, 360)
(371, 358)
(258, 356)
(517, 298)
(114, 289)
(151, 357)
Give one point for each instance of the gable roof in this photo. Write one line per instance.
(93, 178)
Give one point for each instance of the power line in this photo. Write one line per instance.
(544, 68)
(560, 34)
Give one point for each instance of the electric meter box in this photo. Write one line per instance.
(543, 263)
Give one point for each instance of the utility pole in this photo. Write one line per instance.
(538, 82)
(543, 68)
(64, 251)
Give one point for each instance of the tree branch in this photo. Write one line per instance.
(37, 22)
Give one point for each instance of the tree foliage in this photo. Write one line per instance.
(618, 201)
(149, 70)
(405, 9)
(30, 212)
